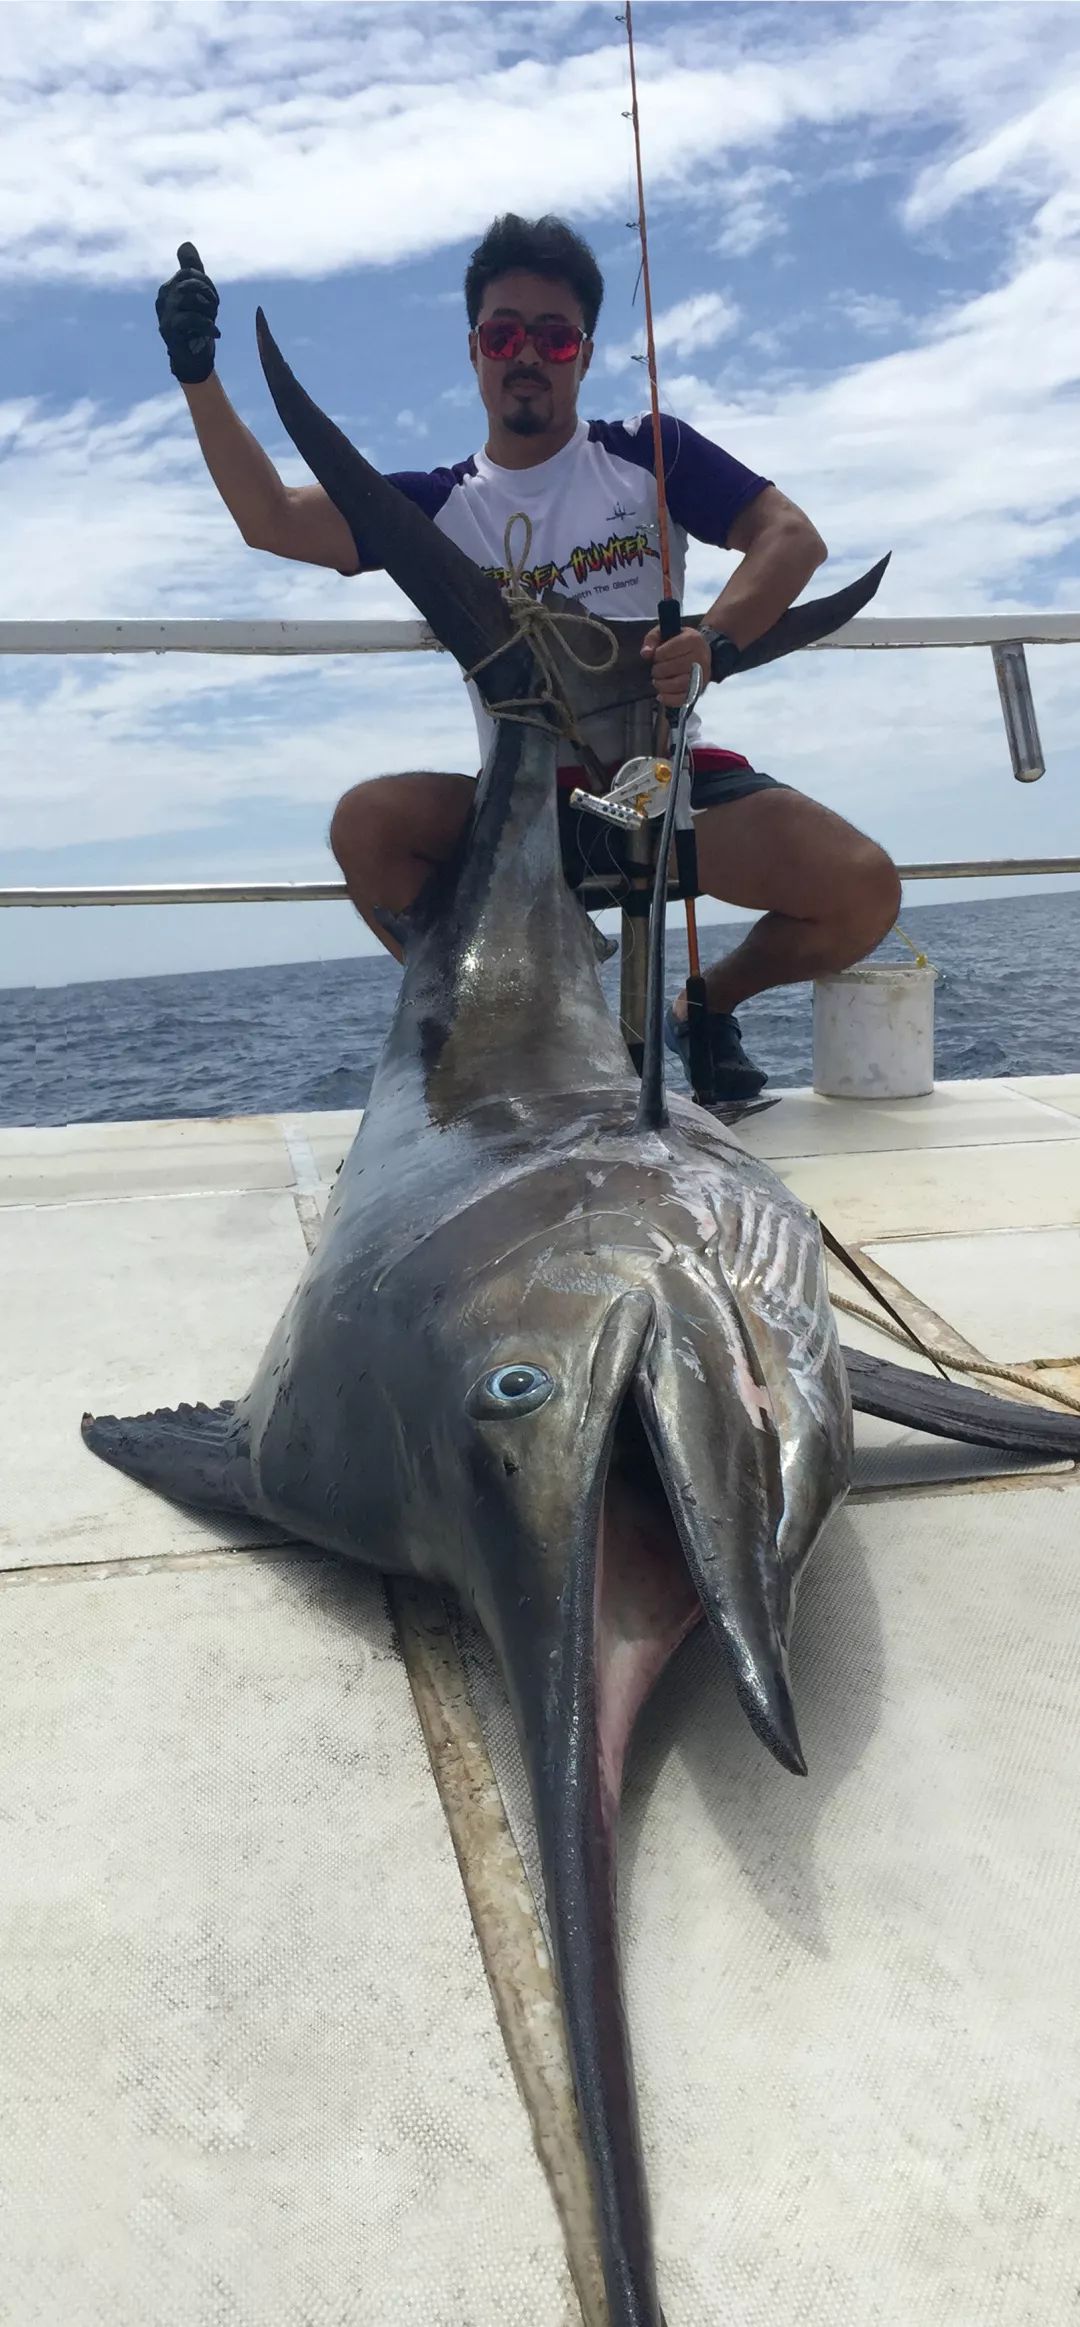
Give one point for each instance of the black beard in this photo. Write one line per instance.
(526, 421)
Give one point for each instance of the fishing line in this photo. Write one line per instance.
(669, 617)
(668, 602)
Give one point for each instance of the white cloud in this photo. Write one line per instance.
(681, 330)
(752, 214)
(872, 313)
(120, 518)
(1034, 153)
(187, 746)
(117, 515)
(294, 142)
(958, 453)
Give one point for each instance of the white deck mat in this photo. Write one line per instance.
(1014, 1298)
(77, 1162)
(250, 2074)
(855, 1998)
(119, 1307)
(954, 1114)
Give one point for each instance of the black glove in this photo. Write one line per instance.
(186, 306)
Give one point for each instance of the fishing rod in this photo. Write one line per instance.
(669, 618)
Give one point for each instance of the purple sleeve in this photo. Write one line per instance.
(427, 489)
(706, 486)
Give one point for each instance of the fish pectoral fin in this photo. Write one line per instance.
(196, 1455)
(950, 1410)
(605, 948)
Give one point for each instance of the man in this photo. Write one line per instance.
(533, 293)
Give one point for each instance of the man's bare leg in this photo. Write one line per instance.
(829, 895)
(388, 834)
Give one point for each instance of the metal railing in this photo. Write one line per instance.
(1006, 635)
(331, 892)
(214, 636)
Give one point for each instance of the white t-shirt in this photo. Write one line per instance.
(593, 511)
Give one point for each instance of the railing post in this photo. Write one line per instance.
(1018, 709)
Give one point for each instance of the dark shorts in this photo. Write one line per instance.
(593, 850)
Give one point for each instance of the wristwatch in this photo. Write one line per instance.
(723, 652)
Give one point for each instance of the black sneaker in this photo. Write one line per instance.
(734, 1075)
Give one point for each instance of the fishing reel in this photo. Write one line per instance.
(638, 794)
(643, 785)
(652, 794)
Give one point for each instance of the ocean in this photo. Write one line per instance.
(307, 1035)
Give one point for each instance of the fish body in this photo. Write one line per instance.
(581, 1371)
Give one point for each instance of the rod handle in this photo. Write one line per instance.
(669, 615)
(686, 864)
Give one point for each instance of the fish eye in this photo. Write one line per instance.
(510, 1390)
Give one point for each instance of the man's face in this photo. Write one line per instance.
(526, 395)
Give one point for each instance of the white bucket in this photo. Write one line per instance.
(874, 1031)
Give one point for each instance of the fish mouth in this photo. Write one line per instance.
(655, 1580)
(678, 1524)
(724, 1518)
(645, 1600)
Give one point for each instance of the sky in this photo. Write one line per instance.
(865, 237)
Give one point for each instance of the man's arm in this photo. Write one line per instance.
(297, 521)
(290, 521)
(781, 549)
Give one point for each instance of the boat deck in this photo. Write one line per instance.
(251, 2071)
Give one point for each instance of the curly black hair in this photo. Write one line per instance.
(540, 246)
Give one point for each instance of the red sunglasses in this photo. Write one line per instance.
(504, 336)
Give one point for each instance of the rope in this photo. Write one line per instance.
(1021, 1374)
(540, 626)
(922, 960)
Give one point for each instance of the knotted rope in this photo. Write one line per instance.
(970, 1364)
(541, 626)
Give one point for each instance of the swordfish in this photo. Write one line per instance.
(563, 1346)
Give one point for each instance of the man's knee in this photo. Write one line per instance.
(393, 821)
(861, 902)
(365, 817)
(872, 895)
